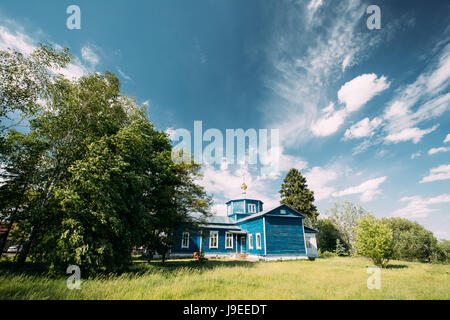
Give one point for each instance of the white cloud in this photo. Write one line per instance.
(306, 67)
(23, 43)
(17, 40)
(329, 123)
(416, 155)
(364, 128)
(367, 189)
(314, 4)
(419, 207)
(429, 92)
(123, 74)
(224, 183)
(89, 55)
(436, 174)
(437, 150)
(447, 138)
(414, 134)
(357, 92)
(318, 180)
(347, 62)
(354, 94)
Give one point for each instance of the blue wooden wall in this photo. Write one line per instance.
(254, 226)
(284, 236)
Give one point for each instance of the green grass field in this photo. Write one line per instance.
(334, 278)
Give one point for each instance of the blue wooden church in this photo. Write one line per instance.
(249, 231)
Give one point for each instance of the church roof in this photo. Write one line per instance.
(310, 230)
(259, 214)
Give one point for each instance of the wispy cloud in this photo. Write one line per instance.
(307, 67)
(364, 128)
(15, 38)
(436, 174)
(414, 134)
(88, 54)
(368, 189)
(419, 207)
(123, 74)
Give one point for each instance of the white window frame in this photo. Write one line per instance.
(216, 236)
(227, 234)
(252, 206)
(258, 241)
(183, 245)
(283, 211)
(250, 241)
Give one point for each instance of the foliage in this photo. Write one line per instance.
(25, 80)
(326, 254)
(374, 240)
(340, 249)
(345, 216)
(411, 240)
(444, 251)
(93, 178)
(328, 235)
(295, 193)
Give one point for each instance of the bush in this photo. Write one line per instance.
(374, 240)
(412, 241)
(326, 254)
(328, 237)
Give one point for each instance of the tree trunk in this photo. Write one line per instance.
(4, 238)
(25, 248)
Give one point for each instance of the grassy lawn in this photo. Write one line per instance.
(334, 278)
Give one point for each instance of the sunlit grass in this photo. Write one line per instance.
(335, 278)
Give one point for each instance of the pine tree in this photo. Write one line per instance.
(295, 193)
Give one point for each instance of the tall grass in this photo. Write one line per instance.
(335, 278)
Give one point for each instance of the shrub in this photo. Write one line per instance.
(326, 254)
(412, 241)
(374, 240)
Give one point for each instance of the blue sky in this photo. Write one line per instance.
(364, 114)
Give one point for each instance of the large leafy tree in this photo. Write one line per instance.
(98, 178)
(345, 216)
(295, 193)
(329, 236)
(25, 81)
(411, 240)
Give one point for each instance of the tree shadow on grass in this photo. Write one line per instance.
(140, 265)
(396, 266)
(29, 269)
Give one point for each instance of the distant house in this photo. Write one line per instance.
(250, 231)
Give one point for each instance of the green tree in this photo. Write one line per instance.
(444, 251)
(25, 80)
(411, 240)
(328, 236)
(345, 217)
(295, 193)
(102, 181)
(373, 239)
